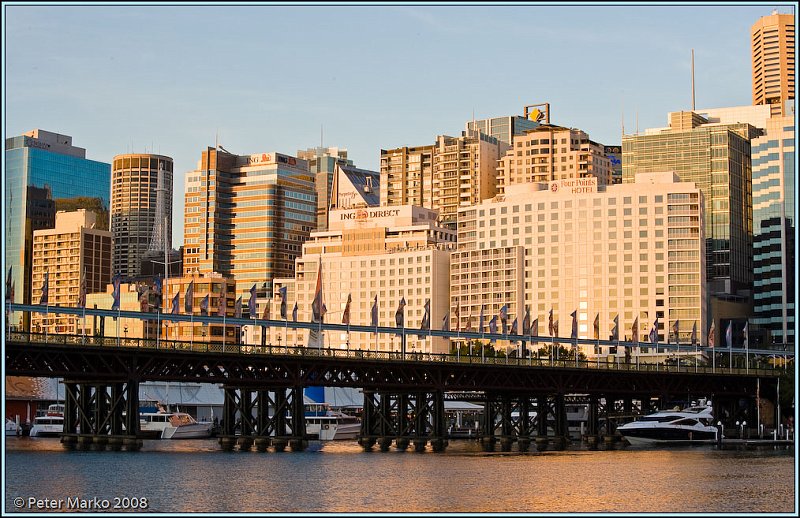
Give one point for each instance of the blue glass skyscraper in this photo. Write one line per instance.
(41, 168)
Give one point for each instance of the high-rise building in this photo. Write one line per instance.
(502, 128)
(70, 253)
(322, 162)
(395, 253)
(774, 228)
(247, 217)
(633, 250)
(134, 208)
(454, 172)
(407, 176)
(772, 46)
(43, 171)
(716, 157)
(550, 152)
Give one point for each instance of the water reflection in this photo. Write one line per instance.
(195, 476)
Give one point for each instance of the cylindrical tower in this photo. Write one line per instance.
(135, 207)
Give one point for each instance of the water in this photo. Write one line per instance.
(196, 476)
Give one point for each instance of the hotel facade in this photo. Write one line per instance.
(629, 250)
(394, 253)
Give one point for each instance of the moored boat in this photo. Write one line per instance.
(326, 424)
(691, 425)
(183, 426)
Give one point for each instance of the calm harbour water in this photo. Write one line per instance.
(196, 476)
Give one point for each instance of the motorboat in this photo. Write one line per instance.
(153, 423)
(691, 425)
(51, 424)
(12, 427)
(326, 424)
(183, 426)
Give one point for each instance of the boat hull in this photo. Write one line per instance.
(192, 431)
(665, 436)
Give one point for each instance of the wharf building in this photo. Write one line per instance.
(44, 173)
(74, 251)
(247, 217)
(322, 162)
(772, 50)
(550, 152)
(134, 208)
(631, 250)
(452, 173)
(715, 157)
(392, 252)
(774, 231)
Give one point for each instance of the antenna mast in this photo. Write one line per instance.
(692, 79)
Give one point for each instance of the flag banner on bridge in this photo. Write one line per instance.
(694, 333)
(267, 310)
(493, 326)
(457, 317)
(82, 292)
(526, 322)
(45, 289)
(175, 303)
(535, 327)
(237, 310)
(374, 313)
(555, 328)
(635, 330)
(222, 301)
(426, 318)
(251, 304)
(514, 326)
(597, 327)
(574, 333)
(480, 321)
(615, 329)
(729, 334)
(675, 328)
(711, 335)
(144, 303)
(468, 327)
(282, 292)
(8, 285)
(346, 312)
(550, 323)
(504, 318)
(294, 313)
(188, 303)
(745, 335)
(446, 322)
(654, 334)
(400, 314)
(116, 282)
(204, 306)
(316, 305)
(158, 291)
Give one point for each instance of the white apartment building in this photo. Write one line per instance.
(632, 250)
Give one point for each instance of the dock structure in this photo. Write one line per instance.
(524, 400)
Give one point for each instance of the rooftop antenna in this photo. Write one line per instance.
(692, 79)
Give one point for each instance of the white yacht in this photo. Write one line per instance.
(691, 425)
(51, 424)
(325, 424)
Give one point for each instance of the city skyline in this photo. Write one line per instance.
(360, 78)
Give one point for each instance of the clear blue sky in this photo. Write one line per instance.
(167, 79)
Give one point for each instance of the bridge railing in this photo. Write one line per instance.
(358, 354)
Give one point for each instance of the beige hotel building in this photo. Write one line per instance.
(633, 250)
(393, 252)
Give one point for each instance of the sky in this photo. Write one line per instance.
(173, 79)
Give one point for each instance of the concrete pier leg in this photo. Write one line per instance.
(132, 443)
(419, 445)
(524, 444)
(438, 445)
(401, 443)
(559, 442)
(488, 442)
(505, 443)
(367, 443)
(262, 443)
(592, 441)
(280, 444)
(227, 442)
(245, 443)
(608, 441)
(384, 443)
(115, 443)
(541, 443)
(84, 442)
(99, 442)
(298, 444)
(69, 442)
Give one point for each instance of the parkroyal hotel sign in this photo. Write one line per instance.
(574, 186)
